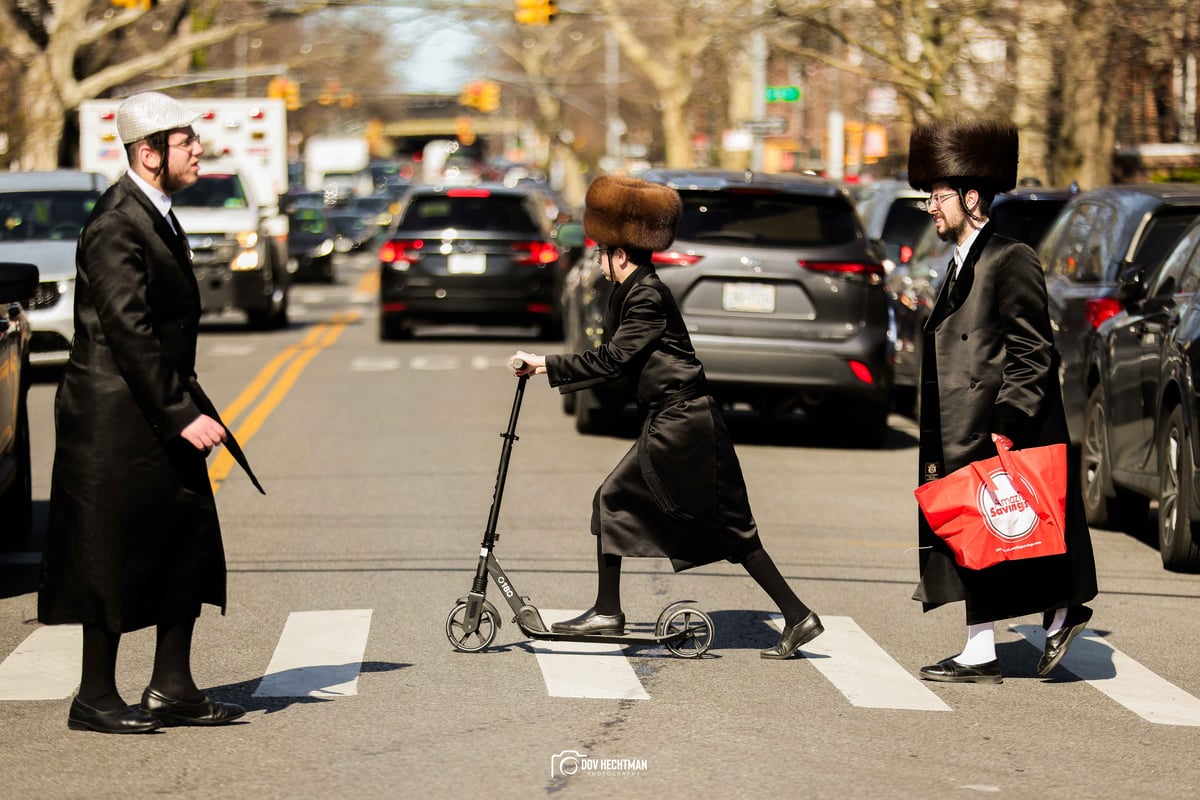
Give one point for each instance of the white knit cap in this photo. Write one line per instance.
(140, 115)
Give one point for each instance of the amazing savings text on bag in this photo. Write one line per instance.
(1008, 507)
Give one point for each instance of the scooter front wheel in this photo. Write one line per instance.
(474, 641)
(692, 631)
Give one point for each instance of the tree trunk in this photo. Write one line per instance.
(1085, 142)
(1035, 84)
(43, 120)
(677, 129)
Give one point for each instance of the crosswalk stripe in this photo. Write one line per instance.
(863, 671)
(45, 666)
(585, 669)
(1151, 697)
(319, 654)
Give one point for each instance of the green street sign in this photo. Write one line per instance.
(783, 94)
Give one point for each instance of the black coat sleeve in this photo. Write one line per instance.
(1024, 318)
(641, 327)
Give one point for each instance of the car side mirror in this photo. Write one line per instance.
(1132, 289)
(570, 234)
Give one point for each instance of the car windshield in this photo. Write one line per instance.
(308, 220)
(213, 191)
(472, 211)
(1161, 235)
(766, 218)
(1026, 220)
(44, 216)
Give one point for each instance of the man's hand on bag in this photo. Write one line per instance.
(204, 433)
(1002, 441)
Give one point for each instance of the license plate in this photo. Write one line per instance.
(755, 298)
(466, 263)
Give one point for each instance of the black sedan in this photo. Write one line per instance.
(477, 255)
(18, 283)
(310, 245)
(1140, 421)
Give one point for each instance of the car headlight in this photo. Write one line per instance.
(324, 249)
(246, 260)
(248, 239)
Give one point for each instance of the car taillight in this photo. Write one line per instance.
(468, 193)
(401, 252)
(866, 269)
(906, 254)
(861, 371)
(674, 258)
(1099, 309)
(534, 253)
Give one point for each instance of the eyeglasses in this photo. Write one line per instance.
(935, 200)
(186, 144)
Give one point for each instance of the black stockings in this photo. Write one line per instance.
(766, 574)
(172, 665)
(608, 589)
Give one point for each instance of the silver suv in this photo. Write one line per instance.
(41, 215)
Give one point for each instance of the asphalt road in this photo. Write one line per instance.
(380, 463)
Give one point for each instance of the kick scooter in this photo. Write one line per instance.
(472, 624)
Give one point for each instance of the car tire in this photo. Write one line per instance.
(593, 417)
(16, 506)
(1177, 544)
(393, 327)
(1123, 510)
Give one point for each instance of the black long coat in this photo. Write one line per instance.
(133, 536)
(989, 366)
(678, 493)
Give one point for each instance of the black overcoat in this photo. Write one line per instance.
(989, 365)
(679, 492)
(133, 537)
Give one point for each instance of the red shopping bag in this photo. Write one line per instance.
(1008, 507)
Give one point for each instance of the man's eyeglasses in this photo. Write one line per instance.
(935, 200)
(186, 144)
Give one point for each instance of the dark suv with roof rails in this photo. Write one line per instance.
(782, 296)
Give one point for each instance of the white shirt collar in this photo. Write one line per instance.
(160, 199)
(963, 250)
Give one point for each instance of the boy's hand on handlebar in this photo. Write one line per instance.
(527, 364)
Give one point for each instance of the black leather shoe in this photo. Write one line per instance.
(590, 622)
(950, 671)
(204, 712)
(83, 717)
(1056, 645)
(793, 636)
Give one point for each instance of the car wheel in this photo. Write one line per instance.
(1124, 510)
(592, 416)
(392, 327)
(16, 506)
(1176, 537)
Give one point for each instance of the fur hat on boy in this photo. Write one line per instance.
(631, 213)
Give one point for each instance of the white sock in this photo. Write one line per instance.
(981, 645)
(1056, 625)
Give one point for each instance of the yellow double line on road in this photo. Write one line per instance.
(291, 360)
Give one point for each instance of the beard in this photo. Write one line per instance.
(951, 233)
(175, 180)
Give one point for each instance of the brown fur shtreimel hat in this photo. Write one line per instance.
(966, 151)
(631, 213)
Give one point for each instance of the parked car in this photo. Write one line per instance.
(41, 215)
(481, 255)
(1024, 214)
(892, 213)
(1141, 428)
(18, 283)
(783, 298)
(1101, 235)
(310, 245)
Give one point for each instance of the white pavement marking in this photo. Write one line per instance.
(585, 669)
(433, 363)
(483, 362)
(374, 364)
(231, 349)
(319, 655)
(45, 666)
(1152, 698)
(863, 671)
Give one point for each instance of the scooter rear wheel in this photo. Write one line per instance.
(697, 628)
(479, 639)
(666, 613)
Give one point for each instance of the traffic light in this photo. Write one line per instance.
(471, 94)
(535, 12)
(488, 99)
(144, 5)
(291, 96)
(464, 131)
(783, 94)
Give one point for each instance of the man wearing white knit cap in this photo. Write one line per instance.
(133, 538)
